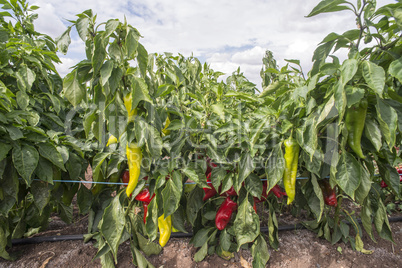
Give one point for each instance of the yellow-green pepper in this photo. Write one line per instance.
(291, 159)
(165, 229)
(134, 158)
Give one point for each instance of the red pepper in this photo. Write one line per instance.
(383, 184)
(230, 192)
(255, 207)
(209, 192)
(126, 177)
(224, 213)
(145, 206)
(328, 193)
(276, 190)
(144, 196)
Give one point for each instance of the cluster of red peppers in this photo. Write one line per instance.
(228, 206)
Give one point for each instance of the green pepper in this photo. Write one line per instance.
(291, 159)
(354, 119)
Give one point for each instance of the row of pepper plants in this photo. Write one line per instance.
(172, 147)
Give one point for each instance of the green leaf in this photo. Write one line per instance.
(202, 253)
(111, 26)
(318, 193)
(260, 252)
(253, 185)
(389, 175)
(142, 262)
(246, 166)
(112, 224)
(147, 246)
(366, 215)
(100, 53)
(348, 175)
(82, 28)
(98, 160)
(273, 228)
(328, 6)
(84, 199)
(353, 95)
(258, 128)
(25, 159)
(142, 59)
(48, 151)
(25, 78)
(217, 176)
(365, 185)
(15, 133)
(64, 41)
(194, 204)
(191, 174)
(247, 224)
(373, 133)
(340, 98)
(106, 71)
(395, 69)
(22, 99)
(66, 212)
(140, 92)
(201, 237)
(274, 167)
(4, 149)
(219, 109)
(3, 244)
(74, 166)
(225, 240)
(171, 194)
(41, 193)
(388, 119)
(178, 219)
(131, 42)
(152, 220)
(74, 91)
(374, 76)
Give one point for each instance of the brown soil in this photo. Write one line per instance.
(299, 248)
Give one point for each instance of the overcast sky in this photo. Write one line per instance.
(226, 34)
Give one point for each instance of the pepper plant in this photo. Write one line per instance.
(204, 154)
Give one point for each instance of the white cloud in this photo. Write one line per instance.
(66, 63)
(226, 33)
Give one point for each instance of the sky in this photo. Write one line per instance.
(225, 34)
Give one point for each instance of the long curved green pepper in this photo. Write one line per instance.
(291, 159)
(355, 117)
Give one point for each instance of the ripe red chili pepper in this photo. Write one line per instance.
(276, 190)
(230, 192)
(224, 213)
(255, 207)
(145, 196)
(328, 193)
(209, 192)
(383, 184)
(145, 206)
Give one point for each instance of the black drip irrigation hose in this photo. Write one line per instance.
(40, 239)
